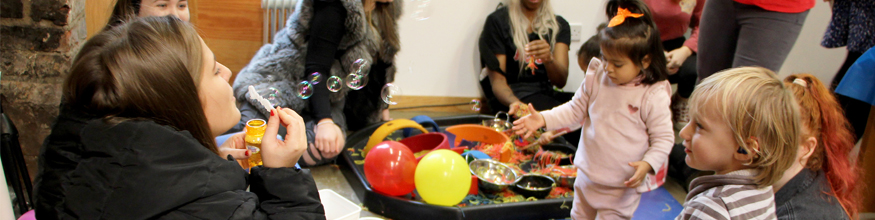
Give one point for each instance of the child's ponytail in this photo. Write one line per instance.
(824, 118)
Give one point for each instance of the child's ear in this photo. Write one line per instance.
(645, 62)
(807, 149)
(746, 156)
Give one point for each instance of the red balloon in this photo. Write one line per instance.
(390, 168)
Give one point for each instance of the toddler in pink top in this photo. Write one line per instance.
(623, 108)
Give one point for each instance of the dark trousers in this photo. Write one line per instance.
(732, 34)
(856, 111)
(686, 75)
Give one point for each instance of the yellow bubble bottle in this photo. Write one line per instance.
(254, 133)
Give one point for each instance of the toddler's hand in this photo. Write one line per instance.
(641, 170)
(546, 138)
(527, 125)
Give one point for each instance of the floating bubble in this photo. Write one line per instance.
(305, 89)
(422, 9)
(390, 93)
(475, 105)
(359, 67)
(315, 77)
(356, 82)
(334, 84)
(273, 96)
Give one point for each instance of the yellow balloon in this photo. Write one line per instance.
(442, 178)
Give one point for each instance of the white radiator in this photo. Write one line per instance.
(275, 14)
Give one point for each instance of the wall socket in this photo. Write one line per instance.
(576, 28)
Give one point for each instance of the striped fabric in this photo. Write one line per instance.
(730, 196)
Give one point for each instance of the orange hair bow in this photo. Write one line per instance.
(621, 16)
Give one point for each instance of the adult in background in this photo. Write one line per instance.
(129, 9)
(852, 25)
(325, 36)
(735, 33)
(524, 47)
(674, 18)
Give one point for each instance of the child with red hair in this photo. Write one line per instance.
(822, 182)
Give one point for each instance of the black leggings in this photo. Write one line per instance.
(856, 111)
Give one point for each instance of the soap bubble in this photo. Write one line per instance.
(305, 90)
(273, 96)
(356, 82)
(422, 9)
(390, 93)
(315, 77)
(334, 84)
(475, 105)
(359, 67)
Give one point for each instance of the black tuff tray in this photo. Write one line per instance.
(404, 208)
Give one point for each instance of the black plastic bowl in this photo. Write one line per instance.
(534, 185)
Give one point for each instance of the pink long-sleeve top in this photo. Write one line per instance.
(673, 17)
(621, 124)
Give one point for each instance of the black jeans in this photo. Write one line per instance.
(856, 111)
(686, 75)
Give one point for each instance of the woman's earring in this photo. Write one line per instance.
(741, 150)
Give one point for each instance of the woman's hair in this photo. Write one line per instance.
(824, 119)
(754, 103)
(144, 69)
(124, 10)
(542, 24)
(636, 38)
(384, 19)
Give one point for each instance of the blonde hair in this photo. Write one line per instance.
(754, 103)
(544, 23)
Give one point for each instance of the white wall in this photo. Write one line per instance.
(807, 55)
(439, 55)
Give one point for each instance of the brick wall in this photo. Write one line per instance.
(38, 40)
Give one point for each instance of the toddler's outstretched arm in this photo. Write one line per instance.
(527, 125)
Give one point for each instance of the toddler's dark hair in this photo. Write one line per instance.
(636, 38)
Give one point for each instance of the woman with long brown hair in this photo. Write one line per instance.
(135, 137)
(325, 37)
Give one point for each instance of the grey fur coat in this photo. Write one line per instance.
(278, 68)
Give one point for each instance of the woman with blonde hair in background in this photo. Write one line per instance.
(524, 52)
(524, 46)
